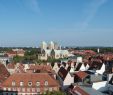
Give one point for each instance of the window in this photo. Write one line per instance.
(9, 89)
(28, 89)
(13, 83)
(46, 83)
(50, 89)
(29, 83)
(37, 83)
(14, 89)
(55, 88)
(23, 89)
(4, 88)
(38, 89)
(45, 89)
(18, 89)
(33, 89)
(21, 83)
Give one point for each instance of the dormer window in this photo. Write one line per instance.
(21, 83)
(46, 83)
(13, 83)
(29, 83)
(37, 83)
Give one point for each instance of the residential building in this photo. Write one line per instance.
(29, 84)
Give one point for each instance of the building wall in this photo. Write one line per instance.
(28, 91)
(11, 71)
(68, 80)
(101, 86)
(102, 70)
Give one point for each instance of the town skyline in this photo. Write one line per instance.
(26, 23)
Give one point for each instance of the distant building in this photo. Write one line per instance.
(52, 51)
(4, 59)
(43, 45)
(16, 52)
(51, 45)
(98, 50)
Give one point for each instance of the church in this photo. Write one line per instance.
(52, 50)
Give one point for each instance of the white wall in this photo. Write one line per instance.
(101, 86)
(82, 68)
(56, 68)
(102, 70)
(68, 80)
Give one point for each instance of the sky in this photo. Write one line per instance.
(67, 22)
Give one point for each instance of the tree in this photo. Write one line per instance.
(18, 58)
(55, 93)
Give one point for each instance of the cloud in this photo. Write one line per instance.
(90, 12)
(32, 5)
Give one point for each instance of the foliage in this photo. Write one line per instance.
(102, 49)
(55, 93)
(18, 59)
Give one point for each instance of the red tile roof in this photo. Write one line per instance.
(4, 74)
(41, 68)
(33, 77)
(11, 66)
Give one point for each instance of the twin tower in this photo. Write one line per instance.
(51, 45)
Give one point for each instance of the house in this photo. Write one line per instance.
(65, 78)
(4, 59)
(11, 68)
(20, 52)
(109, 67)
(84, 90)
(81, 77)
(11, 53)
(87, 67)
(102, 69)
(98, 67)
(40, 68)
(80, 67)
(19, 68)
(16, 52)
(110, 85)
(29, 84)
(56, 67)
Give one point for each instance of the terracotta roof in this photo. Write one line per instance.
(4, 74)
(19, 68)
(30, 77)
(11, 66)
(12, 52)
(41, 68)
(81, 74)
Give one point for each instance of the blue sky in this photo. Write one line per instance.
(68, 22)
